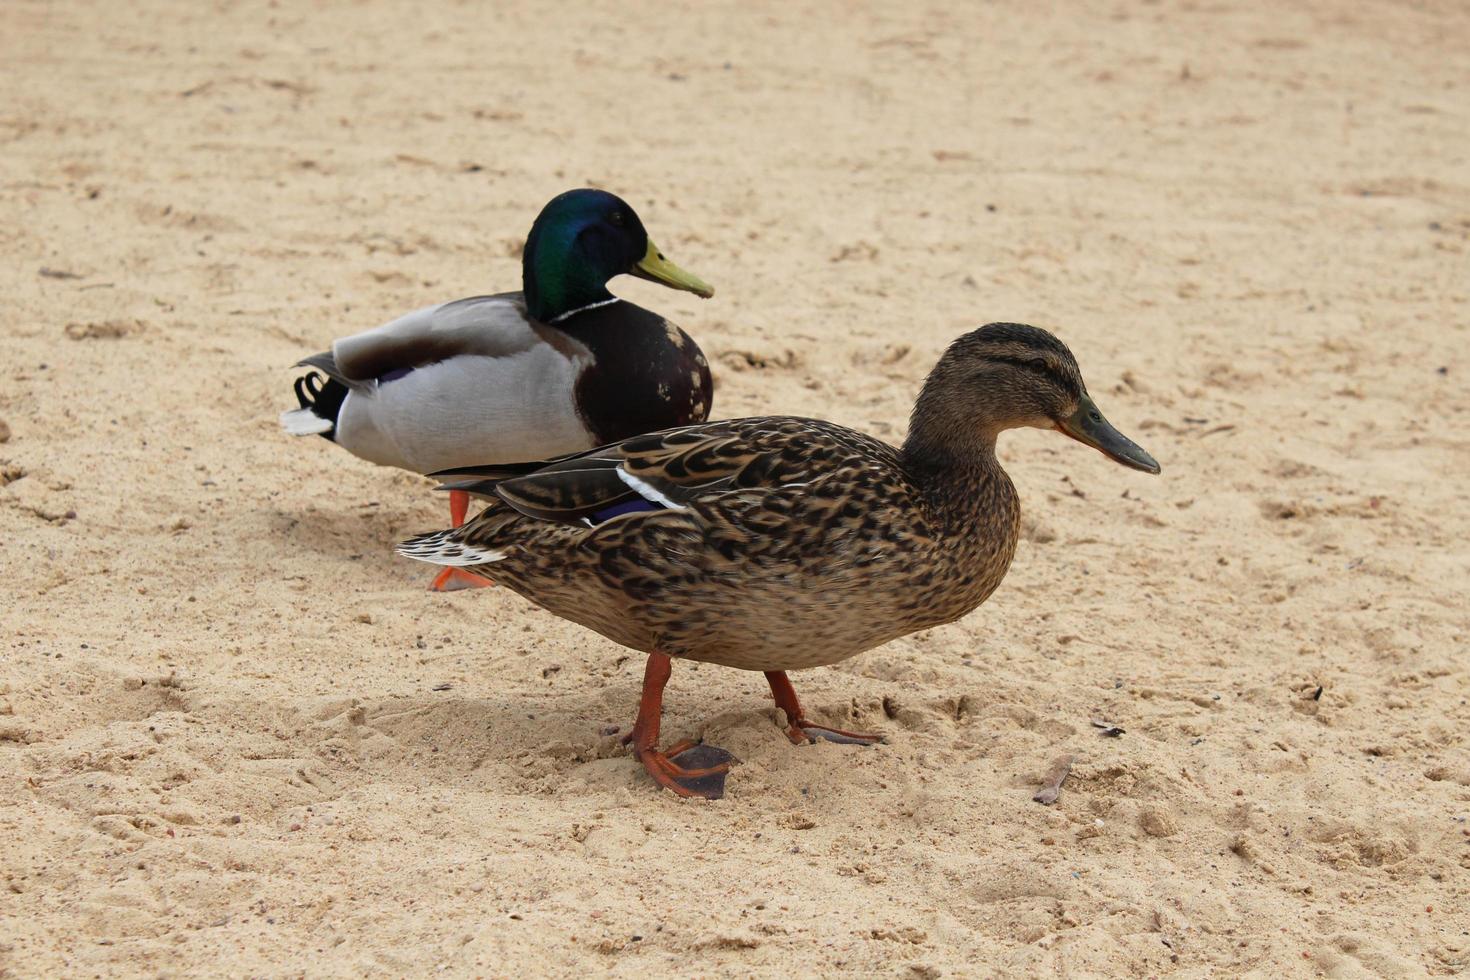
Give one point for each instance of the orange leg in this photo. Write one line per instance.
(689, 768)
(800, 730)
(452, 579)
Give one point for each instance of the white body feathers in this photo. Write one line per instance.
(484, 384)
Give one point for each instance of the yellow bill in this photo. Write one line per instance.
(655, 268)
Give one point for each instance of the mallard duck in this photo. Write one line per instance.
(559, 367)
(776, 543)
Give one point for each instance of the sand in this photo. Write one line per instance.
(238, 736)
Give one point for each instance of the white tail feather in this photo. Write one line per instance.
(304, 422)
(440, 548)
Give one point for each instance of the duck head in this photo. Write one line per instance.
(579, 241)
(1004, 376)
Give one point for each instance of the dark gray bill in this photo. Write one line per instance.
(1088, 427)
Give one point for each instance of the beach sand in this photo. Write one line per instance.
(239, 737)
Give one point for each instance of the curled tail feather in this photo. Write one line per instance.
(320, 399)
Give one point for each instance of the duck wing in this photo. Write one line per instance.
(489, 326)
(676, 468)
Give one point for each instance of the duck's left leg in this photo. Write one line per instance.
(689, 768)
(453, 579)
(801, 731)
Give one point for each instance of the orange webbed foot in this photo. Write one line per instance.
(689, 770)
(454, 579)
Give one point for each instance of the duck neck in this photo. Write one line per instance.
(554, 283)
(949, 470)
(973, 517)
(950, 454)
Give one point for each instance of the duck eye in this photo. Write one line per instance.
(1039, 363)
(617, 218)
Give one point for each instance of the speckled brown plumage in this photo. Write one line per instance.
(791, 542)
(818, 545)
(779, 543)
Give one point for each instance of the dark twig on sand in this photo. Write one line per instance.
(1052, 787)
(1108, 728)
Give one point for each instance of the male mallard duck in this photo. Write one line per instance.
(560, 367)
(777, 544)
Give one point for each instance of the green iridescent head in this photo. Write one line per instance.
(580, 240)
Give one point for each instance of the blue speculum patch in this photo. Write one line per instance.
(627, 507)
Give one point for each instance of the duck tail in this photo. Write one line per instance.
(492, 536)
(321, 399)
(449, 548)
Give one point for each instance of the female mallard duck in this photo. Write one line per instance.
(560, 367)
(778, 544)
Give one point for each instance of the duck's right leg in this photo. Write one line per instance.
(689, 768)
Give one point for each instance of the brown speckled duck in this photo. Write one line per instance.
(779, 543)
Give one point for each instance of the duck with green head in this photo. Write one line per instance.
(559, 367)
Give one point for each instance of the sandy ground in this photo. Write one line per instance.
(237, 736)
